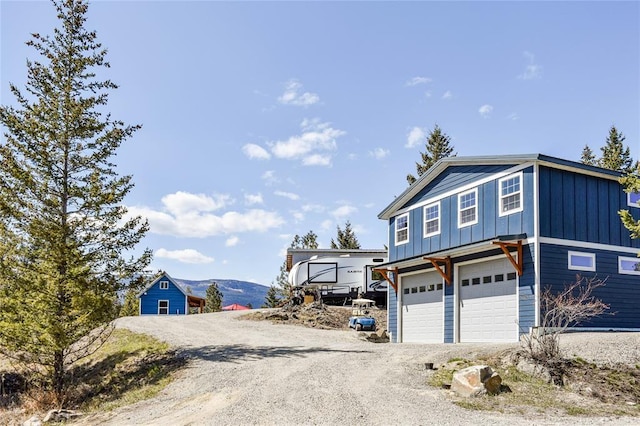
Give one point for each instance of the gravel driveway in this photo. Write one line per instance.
(247, 372)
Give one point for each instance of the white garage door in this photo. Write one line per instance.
(422, 308)
(487, 300)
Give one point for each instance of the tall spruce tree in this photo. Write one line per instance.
(631, 184)
(615, 156)
(213, 298)
(438, 146)
(346, 239)
(307, 241)
(588, 157)
(66, 242)
(272, 299)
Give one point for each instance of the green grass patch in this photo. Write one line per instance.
(128, 368)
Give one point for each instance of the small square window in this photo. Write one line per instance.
(402, 229)
(432, 287)
(511, 276)
(510, 189)
(486, 280)
(414, 290)
(475, 281)
(633, 199)
(431, 215)
(629, 265)
(406, 291)
(468, 208)
(465, 283)
(422, 289)
(579, 261)
(439, 286)
(498, 278)
(164, 285)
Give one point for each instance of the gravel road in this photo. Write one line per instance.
(247, 373)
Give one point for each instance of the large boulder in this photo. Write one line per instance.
(475, 381)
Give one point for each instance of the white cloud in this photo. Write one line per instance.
(447, 95)
(513, 116)
(292, 95)
(417, 80)
(316, 136)
(254, 151)
(415, 136)
(379, 153)
(183, 202)
(251, 199)
(184, 256)
(343, 211)
(232, 241)
(485, 110)
(298, 216)
(269, 177)
(532, 70)
(289, 195)
(189, 215)
(314, 208)
(317, 160)
(326, 224)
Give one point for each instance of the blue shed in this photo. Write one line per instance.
(164, 296)
(475, 241)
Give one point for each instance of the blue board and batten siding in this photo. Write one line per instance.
(620, 291)
(490, 224)
(584, 208)
(149, 298)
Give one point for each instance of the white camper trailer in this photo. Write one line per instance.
(340, 275)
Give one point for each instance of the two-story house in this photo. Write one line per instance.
(475, 240)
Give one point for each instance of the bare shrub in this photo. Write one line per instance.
(561, 311)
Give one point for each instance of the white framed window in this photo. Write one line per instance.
(579, 261)
(164, 285)
(633, 199)
(510, 190)
(629, 265)
(163, 307)
(402, 229)
(431, 214)
(468, 208)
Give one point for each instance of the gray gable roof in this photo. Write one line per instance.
(444, 163)
(160, 278)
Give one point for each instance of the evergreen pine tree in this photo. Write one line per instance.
(631, 184)
(272, 299)
(438, 146)
(130, 306)
(615, 156)
(64, 231)
(213, 298)
(346, 239)
(588, 157)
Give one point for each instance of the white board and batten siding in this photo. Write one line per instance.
(422, 308)
(487, 301)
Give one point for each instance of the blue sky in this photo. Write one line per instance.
(262, 120)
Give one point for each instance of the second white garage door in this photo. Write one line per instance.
(488, 302)
(422, 308)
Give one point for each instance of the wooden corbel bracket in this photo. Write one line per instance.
(385, 273)
(517, 264)
(438, 263)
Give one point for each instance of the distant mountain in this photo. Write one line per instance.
(233, 291)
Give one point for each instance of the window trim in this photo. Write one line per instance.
(592, 256)
(475, 206)
(405, 241)
(167, 307)
(424, 216)
(626, 271)
(164, 285)
(519, 175)
(631, 203)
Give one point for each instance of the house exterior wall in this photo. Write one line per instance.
(583, 208)
(149, 299)
(489, 224)
(621, 291)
